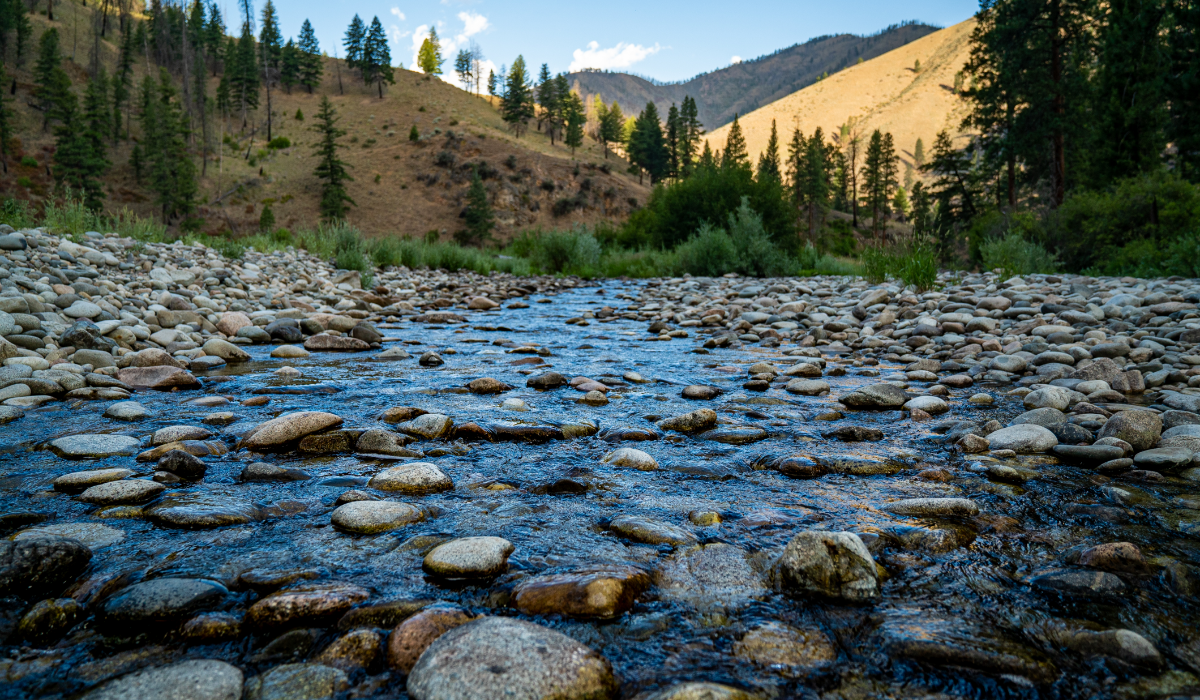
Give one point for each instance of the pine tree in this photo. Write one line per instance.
(796, 169)
(13, 20)
(270, 44)
(546, 96)
(331, 170)
(575, 118)
(518, 107)
(491, 83)
(52, 84)
(429, 57)
(611, 123)
(80, 154)
(919, 153)
(900, 201)
(955, 189)
(5, 122)
(165, 132)
(875, 190)
(289, 65)
(214, 36)
(708, 160)
(768, 161)
(356, 37)
(735, 155)
(816, 182)
(226, 98)
(311, 65)
(478, 214)
(690, 133)
(922, 207)
(377, 57)
(462, 66)
(672, 136)
(266, 220)
(243, 74)
(122, 82)
(1183, 86)
(647, 146)
(556, 116)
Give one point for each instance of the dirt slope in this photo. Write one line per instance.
(401, 187)
(746, 86)
(884, 93)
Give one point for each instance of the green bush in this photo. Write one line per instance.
(266, 220)
(1012, 254)
(279, 143)
(756, 255)
(68, 215)
(29, 162)
(16, 213)
(24, 182)
(915, 266)
(810, 261)
(414, 134)
(1090, 226)
(709, 253)
(574, 252)
(876, 264)
(1151, 258)
(640, 264)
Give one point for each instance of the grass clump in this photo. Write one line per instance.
(1012, 254)
(915, 266)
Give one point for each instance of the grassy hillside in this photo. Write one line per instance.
(744, 87)
(401, 187)
(885, 93)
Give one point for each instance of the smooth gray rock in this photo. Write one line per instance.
(40, 566)
(1139, 428)
(1023, 439)
(126, 410)
(162, 601)
(833, 565)
(199, 679)
(876, 396)
(94, 446)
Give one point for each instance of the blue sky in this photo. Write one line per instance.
(668, 40)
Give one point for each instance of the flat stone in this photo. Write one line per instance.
(933, 507)
(1164, 459)
(487, 385)
(496, 657)
(807, 387)
(79, 481)
(176, 433)
(197, 679)
(289, 352)
(929, 404)
(1079, 582)
(201, 511)
(373, 517)
(94, 446)
(1114, 556)
(307, 681)
(412, 478)
(384, 442)
(122, 493)
(161, 378)
(469, 557)
(288, 428)
(332, 343)
(939, 641)
(1023, 439)
(701, 691)
(630, 458)
(430, 426)
(93, 535)
(1089, 455)
(713, 577)
(603, 591)
(786, 649)
(305, 604)
(876, 396)
(649, 531)
(701, 392)
(694, 421)
(40, 565)
(161, 601)
(1045, 417)
(225, 350)
(834, 565)
(126, 410)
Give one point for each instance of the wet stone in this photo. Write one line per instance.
(469, 557)
(630, 458)
(201, 679)
(160, 602)
(701, 392)
(1077, 582)
(599, 592)
(373, 517)
(123, 492)
(182, 464)
(835, 565)
(496, 657)
(76, 482)
(199, 511)
(787, 649)
(94, 446)
(40, 565)
(649, 531)
(263, 472)
(48, 620)
(288, 428)
(709, 577)
(933, 507)
(305, 681)
(307, 603)
(353, 651)
(412, 478)
(413, 636)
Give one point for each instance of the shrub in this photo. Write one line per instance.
(299, 115)
(915, 266)
(69, 215)
(29, 162)
(279, 143)
(756, 255)
(414, 134)
(510, 162)
(266, 220)
(876, 264)
(709, 253)
(561, 252)
(810, 261)
(16, 213)
(1012, 254)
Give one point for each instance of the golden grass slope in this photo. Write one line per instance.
(884, 93)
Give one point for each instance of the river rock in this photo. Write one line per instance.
(430, 426)
(631, 458)
(40, 565)
(1141, 429)
(834, 565)
(306, 603)
(1023, 439)
(713, 577)
(126, 410)
(412, 478)
(701, 392)
(876, 396)
(196, 679)
(122, 493)
(413, 636)
(649, 531)
(782, 647)
(933, 507)
(502, 658)
(374, 517)
(288, 428)
(694, 421)
(469, 557)
(94, 446)
(603, 591)
(160, 601)
(311, 681)
(161, 377)
(487, 385)
(547, 381)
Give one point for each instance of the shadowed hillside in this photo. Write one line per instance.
(744, 87)
(885, 93)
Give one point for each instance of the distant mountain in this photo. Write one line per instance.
(746, 86)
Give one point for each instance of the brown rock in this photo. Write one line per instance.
(356, 650)
(973, 444)
(701, 392)
(288, 428)
(1114, 556)
(481, 304)
(411, 637)
(161, 377)
(153, 357)
(604, 591)
(791, 649)
(307, 603)
(335, 343)
(233, 321)
(487, 385)
(958, 381)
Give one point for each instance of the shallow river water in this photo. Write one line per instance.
(960, 612)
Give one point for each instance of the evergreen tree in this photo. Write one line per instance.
(491, 83)
(289, 65)
(796, 169)
(956, 188)
(647, 146)
(165, 133)
(708, 160)
(816, 190)
(1183, 86)
(900, 201)
(243, 74)
(690, 133)
(556, 116)
(922, 208)
(478, 214)
(377, 57)
(52, 85)
(270, 43)
(672, 137)
(331, 170)
(547, 98)
(768, 161)
(81, 152)
(611, 124)
(311, 65)
(266, 220)
(5, 123)
(429, 57)
(14, 24)
(1131, 91)
(214, 36)
(462, 66)
(575, 118)
(517, 108)
(878, 180)
(226, 98)
(122, 82)
(919, 153)
(735, 155)
(356, 37)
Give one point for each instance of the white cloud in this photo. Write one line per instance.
(620, 56)
(399, 15)
(473, 23)
(418, 37)
(735, 59)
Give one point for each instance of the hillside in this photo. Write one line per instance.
(401, 187)
(884, 93)
(746, 86)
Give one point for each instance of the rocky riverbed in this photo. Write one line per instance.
(227, 479)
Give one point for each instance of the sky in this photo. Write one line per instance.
(665, 39)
